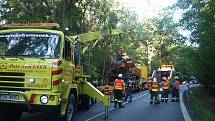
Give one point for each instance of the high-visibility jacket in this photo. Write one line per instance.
(118, 84)
(154, 86)
(166, 84)
(177, 83)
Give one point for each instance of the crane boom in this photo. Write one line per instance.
(98, 35)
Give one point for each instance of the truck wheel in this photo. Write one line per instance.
(71, 108)
(15, 116)
(10, 114)
(85, 102)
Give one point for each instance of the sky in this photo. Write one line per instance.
(146, 8)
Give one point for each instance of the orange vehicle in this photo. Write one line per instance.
(126, 66)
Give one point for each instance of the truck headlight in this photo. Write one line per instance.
(161, 89)
(32, 80)
(44, 99)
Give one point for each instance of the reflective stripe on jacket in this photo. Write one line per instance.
(166, 84)
(118, 84)
(154, 86)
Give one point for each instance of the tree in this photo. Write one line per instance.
(199, 19)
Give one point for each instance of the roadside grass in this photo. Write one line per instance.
(200, 100)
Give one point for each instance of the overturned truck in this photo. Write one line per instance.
(122, 64)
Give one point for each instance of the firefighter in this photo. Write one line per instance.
(165, 87)
(128, 90)
(175, 92)
(154, 91)
(119, 91)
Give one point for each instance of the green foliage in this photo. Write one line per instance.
(202, 111)
(199, 19)
(26, 11)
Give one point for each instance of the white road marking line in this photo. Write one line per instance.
(113, 108)
(182, 105)
(183, 109)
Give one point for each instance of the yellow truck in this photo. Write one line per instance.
(144, 77)
(38, 71)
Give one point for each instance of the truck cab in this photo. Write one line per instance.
(38, 73)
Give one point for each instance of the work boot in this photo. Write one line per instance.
(166, 100)
(157, 102)
(177, 100)
(151, 101)
(120, 105)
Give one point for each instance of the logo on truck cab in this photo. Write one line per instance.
(25, 68)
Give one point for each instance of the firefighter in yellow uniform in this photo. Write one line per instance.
(154, 91)
(165, 86)
(119, 91)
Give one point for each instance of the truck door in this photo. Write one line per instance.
(69, 59)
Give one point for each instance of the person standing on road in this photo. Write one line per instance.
(175, 94)
(165, 86)
(128, 91)
(119, 91)
(187, 91)
(154, 91)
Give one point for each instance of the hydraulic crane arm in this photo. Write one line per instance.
(89, 89)
(98, 35)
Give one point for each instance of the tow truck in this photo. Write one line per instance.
(41, 70)
(164, 70)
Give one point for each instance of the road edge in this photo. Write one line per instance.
(183, 108)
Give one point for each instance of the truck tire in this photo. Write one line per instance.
(10, 113)
(85, 102)
(71, 108)
(15, 115)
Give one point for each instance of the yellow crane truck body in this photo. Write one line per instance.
(37, 71)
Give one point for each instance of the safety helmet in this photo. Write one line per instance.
(154, 80)
(176, 77)
(163, 78)
(120, 75)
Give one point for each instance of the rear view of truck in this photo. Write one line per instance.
(165, 70)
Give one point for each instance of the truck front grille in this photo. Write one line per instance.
(12, 84)
(11, 74)
(12, 79)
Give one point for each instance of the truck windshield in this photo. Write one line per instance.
(26, 44)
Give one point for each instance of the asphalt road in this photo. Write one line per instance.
(138, 110)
